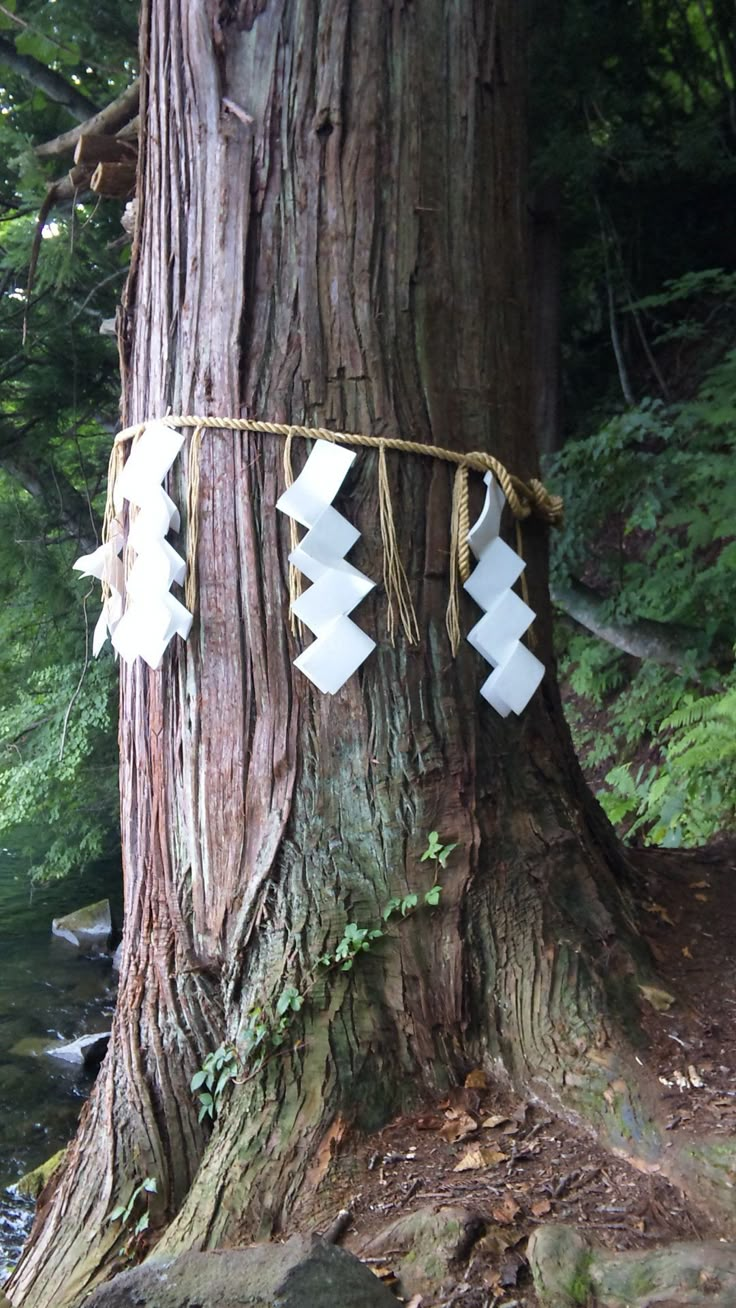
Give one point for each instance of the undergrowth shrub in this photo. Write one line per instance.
(649, 527)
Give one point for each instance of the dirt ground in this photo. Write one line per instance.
(516, 1165)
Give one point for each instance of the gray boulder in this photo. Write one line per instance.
(89, 926)
(302, 1273)
(88, 1050)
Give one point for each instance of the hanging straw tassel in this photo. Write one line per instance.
(191, 587)
(531, 638)
(114, 468)
(394, 577)
(295, 576)
(459, 554)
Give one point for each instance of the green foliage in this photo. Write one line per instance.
(59, 389)
(123, 1213)
(661, 476)
(58, 769)
(649, 526)
(213, 1080)
(690, 795)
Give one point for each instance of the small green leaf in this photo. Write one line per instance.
(445, 854)
(117, 1213)
(224, 1079)
(150, 1185)
(197, 1080)
(432, 896)
(205, 1099)
(142, 1224)
(347, 966)
(408, 903)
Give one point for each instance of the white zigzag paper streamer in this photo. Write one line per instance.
(152, 615)
(517, 672)
(337, 586)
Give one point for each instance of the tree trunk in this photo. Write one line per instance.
(355, 258)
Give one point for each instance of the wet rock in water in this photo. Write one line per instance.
(16, 1216)
(569, 1271)
(31, 1185)
(88, 927)
(87, 1051)
(424, 1244)
(302, 1273)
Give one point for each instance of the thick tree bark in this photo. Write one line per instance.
(355, 258)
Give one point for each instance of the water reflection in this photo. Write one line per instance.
(48, 992)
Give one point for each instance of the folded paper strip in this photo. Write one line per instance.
(142, 618)
(517, 672)
(337, 587)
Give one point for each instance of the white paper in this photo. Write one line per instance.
(502, 627)
(153, 616)
(338, 589)
(497, 571)
(337, 586)
(497, 636)
(317, 484)
(150, 459)
(512, 684)
(154, 519)
(156, 568)
(335, 655)
(488, 526)
(331, 534)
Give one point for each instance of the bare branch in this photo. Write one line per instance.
(653, 642)
(105, 123)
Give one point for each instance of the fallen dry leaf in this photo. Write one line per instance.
(476, 1080)
(659, 912)
(699, 885)
(506, 1212)
(479, 1157)
(384, 1274)
(458, 1126)
(686, 951)
(696, 1079)
(428, 1123)
(490, 1123)
(659, 999)
(541, 1208)
(704, 899)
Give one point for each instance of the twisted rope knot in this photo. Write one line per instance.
(545, 505)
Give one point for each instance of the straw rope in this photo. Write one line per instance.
(523, 498)
(394, 577)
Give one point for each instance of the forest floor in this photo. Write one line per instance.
(513, 1165)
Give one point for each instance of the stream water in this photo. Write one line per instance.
(48, 991)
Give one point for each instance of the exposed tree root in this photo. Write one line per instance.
(568, 1272)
